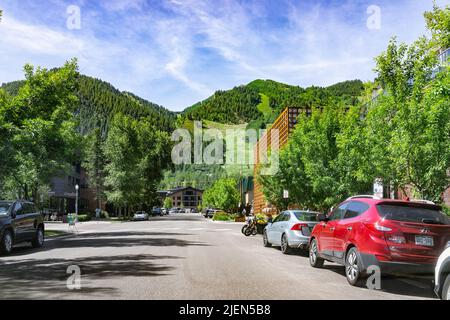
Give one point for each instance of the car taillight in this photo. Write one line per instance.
(303, 227)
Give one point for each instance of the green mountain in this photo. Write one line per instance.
(100, 101)
(260, 101)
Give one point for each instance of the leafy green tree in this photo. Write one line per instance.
(123, 178)
(222, 195)
(137, 153)
(168, 203)
(41, 136)
(94, 163)
(438, 22)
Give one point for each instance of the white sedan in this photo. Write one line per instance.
(140, 216)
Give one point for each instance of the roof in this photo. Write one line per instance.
(178, 189)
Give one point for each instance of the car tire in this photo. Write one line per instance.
(266, 240)
(38, 240)
(353, 267)
(285, 249)
(6, 243)
(314, 260)
(446, 288)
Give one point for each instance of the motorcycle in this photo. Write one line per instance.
(250, 227)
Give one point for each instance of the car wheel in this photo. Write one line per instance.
(285, 245)
(353, 267)
(266, 240)
(7, 242)
(446, 288)
(38, 240)
(314, 259)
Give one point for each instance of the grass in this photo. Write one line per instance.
(54, 233)
(264, 107)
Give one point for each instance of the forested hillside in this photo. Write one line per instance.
(99, 101)
(261, 101)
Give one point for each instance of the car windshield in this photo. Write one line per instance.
(412, 214)
(4, 207)
(305, 216)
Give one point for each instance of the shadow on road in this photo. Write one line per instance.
(112, 239)
(401, 285)
(38, 277)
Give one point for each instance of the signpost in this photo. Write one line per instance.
(378, 188)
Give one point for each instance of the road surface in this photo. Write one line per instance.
(182, 256)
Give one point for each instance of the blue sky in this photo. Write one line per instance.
(177, 52)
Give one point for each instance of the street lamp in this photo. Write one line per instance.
(77, 187)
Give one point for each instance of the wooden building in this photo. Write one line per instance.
(285, 124)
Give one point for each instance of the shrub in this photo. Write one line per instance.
(223, 216)
(261, 219)
(84, 217)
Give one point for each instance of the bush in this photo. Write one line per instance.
(223, 216)
(84, 217)
(261, 219)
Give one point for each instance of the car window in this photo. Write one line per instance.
(338, 212)
(355, 208)
(279, 218)
(416, 214)
(18, 209)
(4, 207)
(305, 216)
(287, 216)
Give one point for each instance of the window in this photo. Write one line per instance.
(338, 212)
(305, 216)
(355, 208)
(279, 218)
(402, 212)
(18, 209)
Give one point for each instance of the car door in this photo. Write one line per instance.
(273, 233)
(282, 225)
(326, 238)
(19, 222)
(346, 228)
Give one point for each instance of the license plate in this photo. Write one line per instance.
(424, 241)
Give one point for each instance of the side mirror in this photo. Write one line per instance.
(322, 217)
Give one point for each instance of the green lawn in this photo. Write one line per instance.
(54, 233)
(264, 106)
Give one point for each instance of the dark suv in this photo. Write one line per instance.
(20, 221)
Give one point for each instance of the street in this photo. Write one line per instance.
(180, 256)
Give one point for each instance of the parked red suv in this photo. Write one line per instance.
(397, 236)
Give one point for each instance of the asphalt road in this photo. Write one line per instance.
(182, 256)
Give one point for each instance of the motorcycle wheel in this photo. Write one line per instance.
(248, 232)
(244, 228)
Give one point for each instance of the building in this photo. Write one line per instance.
(285, 124)
(186, 197)
(62, 194)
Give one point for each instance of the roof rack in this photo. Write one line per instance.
(366, 196)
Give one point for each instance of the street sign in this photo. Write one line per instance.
(285, 194)
(378, 188)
